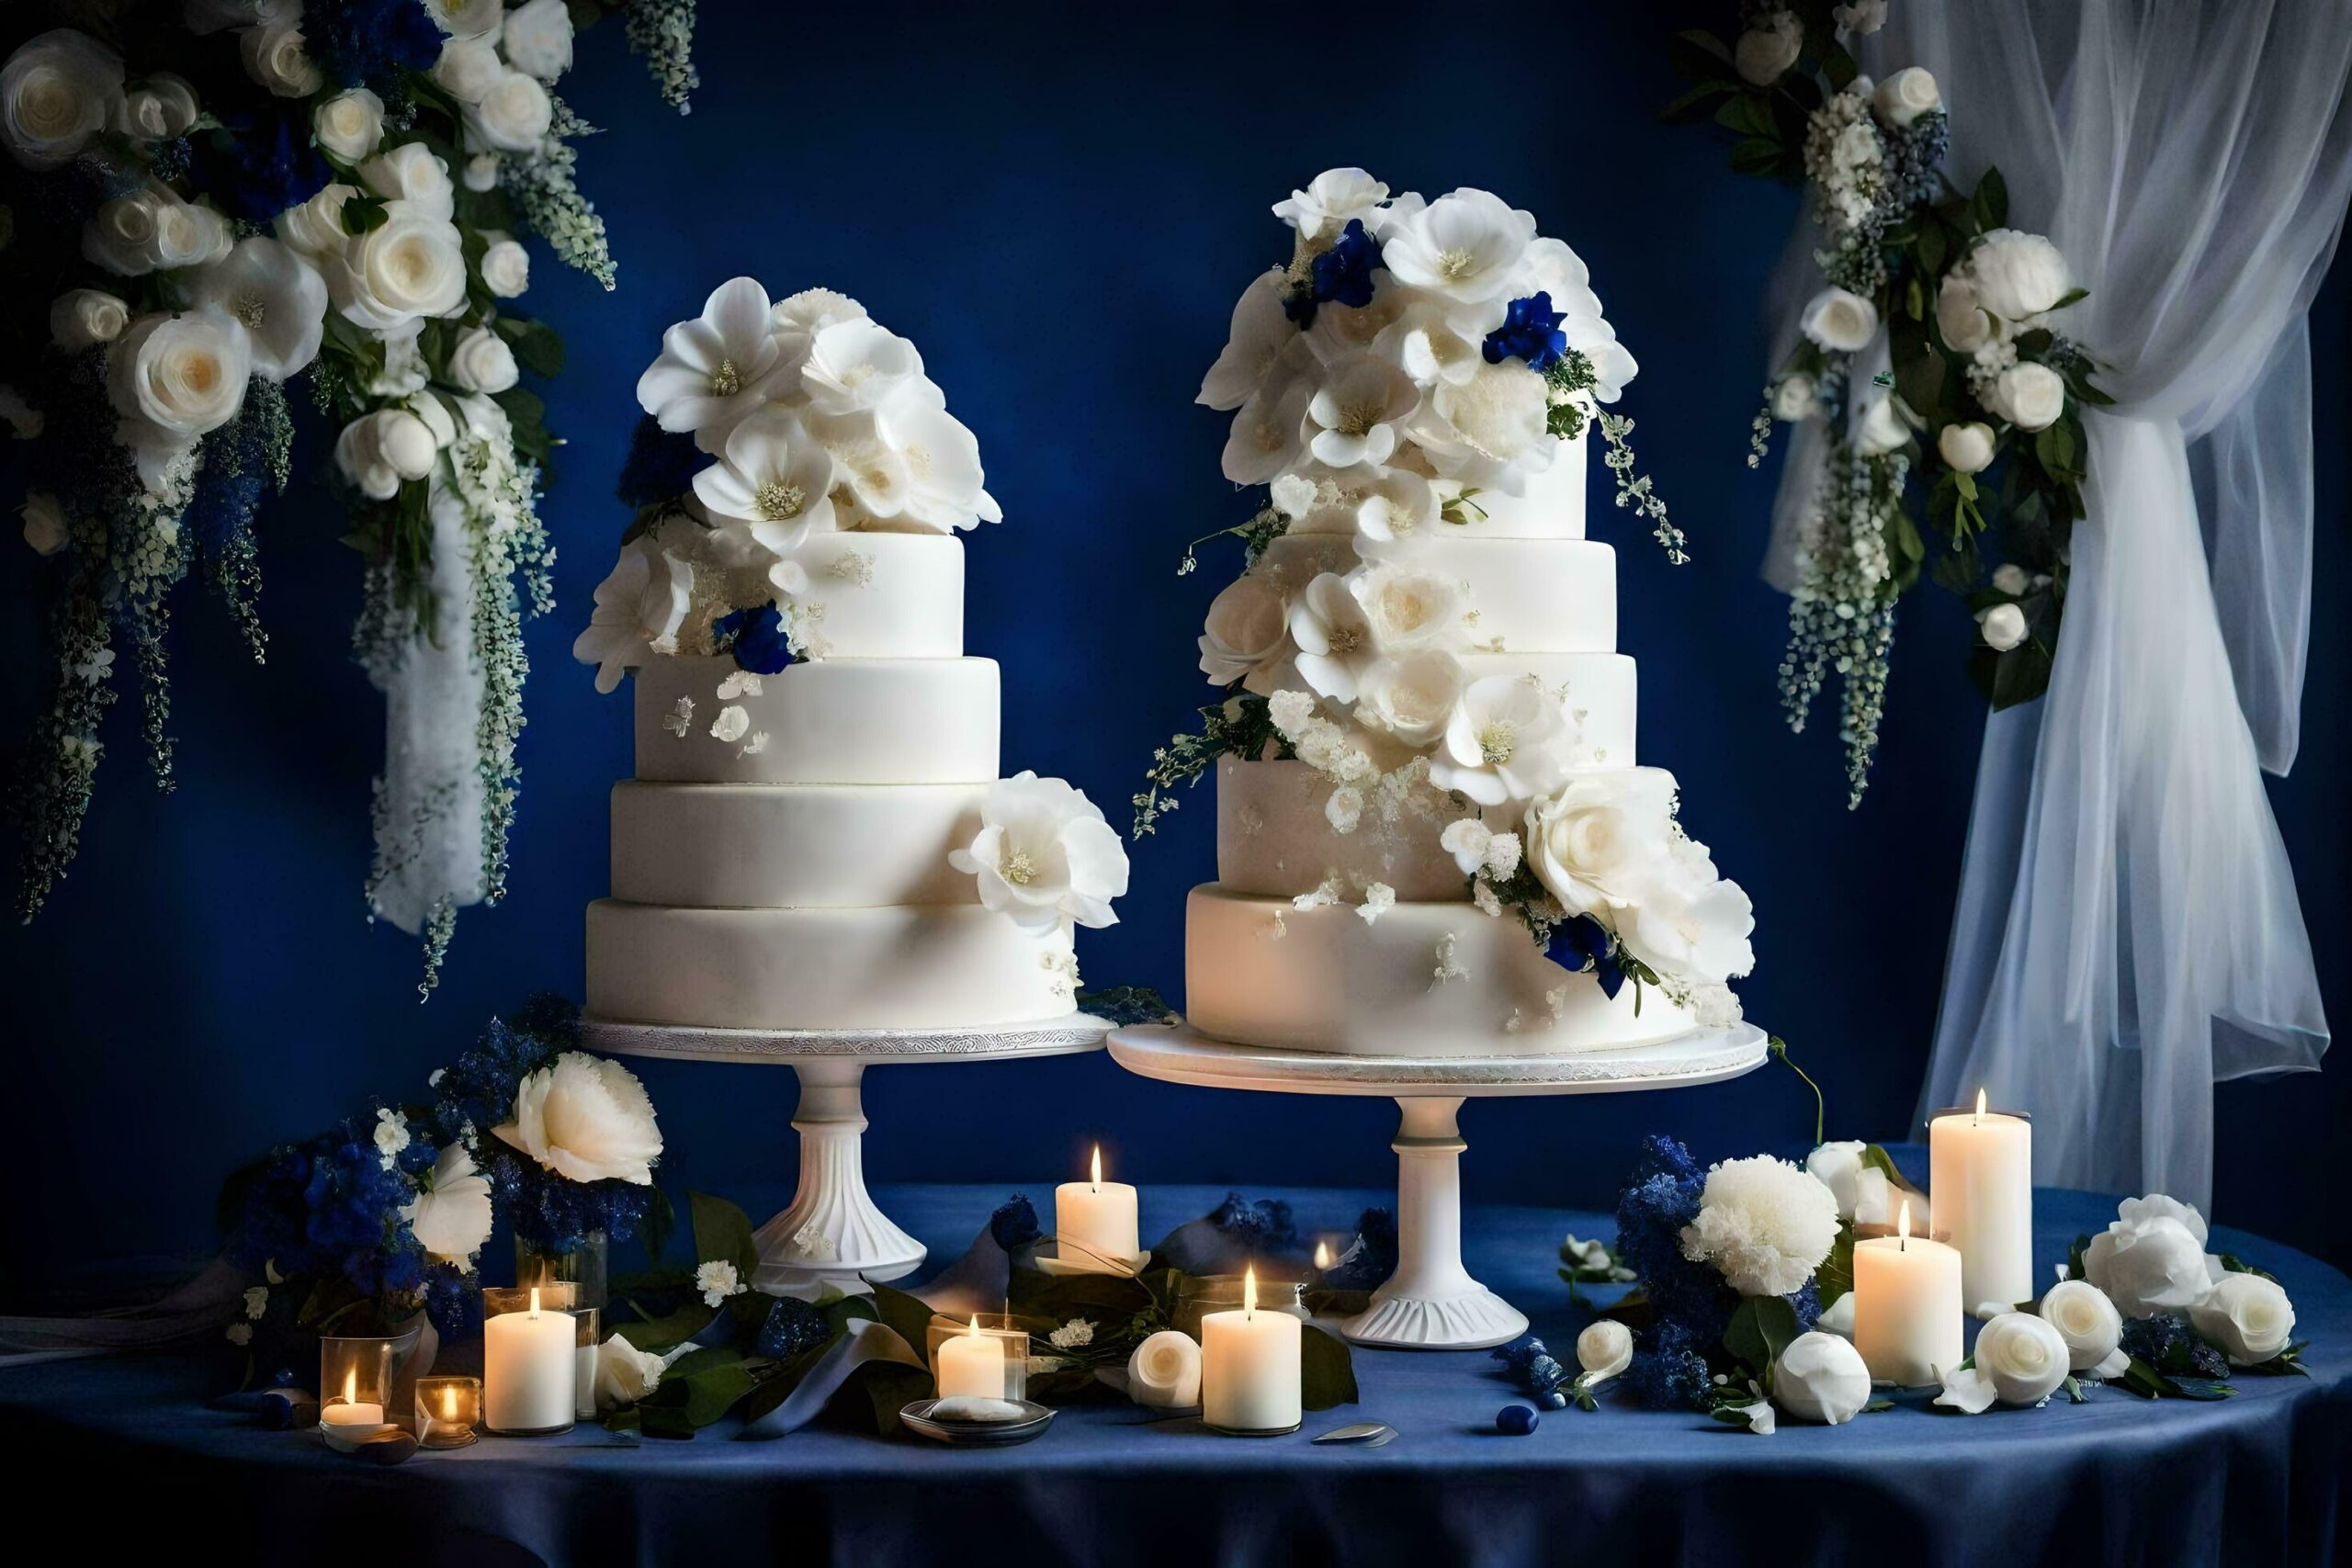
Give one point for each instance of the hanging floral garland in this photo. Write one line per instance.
(1975, 421)
(221, 208)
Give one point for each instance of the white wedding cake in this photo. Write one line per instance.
(1433, 836)
(817, 837)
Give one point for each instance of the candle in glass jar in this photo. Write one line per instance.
(1249, 1365)
(970, 1363)
(1094, 1221)
(529, 1370)
(1906, 1306)
(351, 1420)
(1981, 1179)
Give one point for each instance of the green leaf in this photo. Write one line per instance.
(2022, 675)
(1755, 156)
(2070, 297)
(1761, 1327)
(723, 1234)
(1836, 1275)
(1930, 246)
(538, 346)
(1747, 114)
(1840, 67)
(1990, 206)
(1691, 104)
(1327, 1373)
(2076, 1254)
(910, 1316)
(666, 1332)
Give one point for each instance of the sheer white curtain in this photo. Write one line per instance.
(2128, 931)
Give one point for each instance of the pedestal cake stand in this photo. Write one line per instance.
(1431, 1303)
(833, 1232)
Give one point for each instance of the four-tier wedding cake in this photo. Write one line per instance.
(817, 837)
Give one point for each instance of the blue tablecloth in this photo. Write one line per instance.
(2256, 1479)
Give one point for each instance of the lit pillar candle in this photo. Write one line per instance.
(1980, 1181)
(970, 1363)
(1906, 1306)
(529, 1370)
(1098, 1216)
(1249, 1365)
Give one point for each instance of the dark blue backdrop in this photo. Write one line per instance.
(1059, 210)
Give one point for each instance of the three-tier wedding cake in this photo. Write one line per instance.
(817, 838)
(1433, 836)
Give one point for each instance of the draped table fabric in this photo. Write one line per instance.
(2259, 1478)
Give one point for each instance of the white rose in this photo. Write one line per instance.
(2248, 1316)
(2010, 578)
(1838, 1166)
(512, 116)
(2003, 625)
(413, 174)
(1959, 316)
(275, 294)
(2018, 276)
(276, 57)
(46, 529)
(2024, 1358)
(1247, 635)
(2149, 1263)
(376, 451)
(1767, 50)
(1821, 1378)
(314, 231)
(505, 267)
(1604, 1350)
(1794, 396)
(1596, 843)
(1412, 697)
(162, 107)
(57, 91)
(1881, 429)
(1165, 1372)
(80, 316)
(1905, 95)
(182, 375)
(2029, 396)
(468, 19)
(1968, 447)
(350, 124)
(467, 69)
(451, 1218)
(480, 361)
(586, 1119)
(409, 265)
(2092, 1328)
(537, 38)
(1044, 855)
(150, 229)
(1840, 320)
(482, 172)
(626, 1374)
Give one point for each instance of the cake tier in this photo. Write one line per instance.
(919, 966)
(883, 595)
(1596, 691)
(1525, 595)
(1274, 841)
(1423, 980)
(829, 721)
(1552, 506)
(793, 846)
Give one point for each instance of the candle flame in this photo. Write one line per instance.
(1248, 1290)
(449, 1405)
(1098, 1168)
(1322, 1255)
(974, 1332)
(1979, 1105)
(1902, 1224)
(535, 1301)
(351, 1386)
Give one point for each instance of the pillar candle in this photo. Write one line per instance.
(1907, 1306)
(1980, 1181)
(971, 1363)
(1249, 1365)
(1098, 1216)
(530, 1369)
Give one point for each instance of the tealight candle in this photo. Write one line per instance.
(530, 1368)
(1906, 1306)
(1094, 1221)
(447, 1409)
(1981, 1181)
(1250, 1368)
(347, 1422)
(971, 1363)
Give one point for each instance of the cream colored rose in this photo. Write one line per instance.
(2248, 1316)
(1821, 1377)
(150, 229)
(512, 116)
(1839, 320)
(505, 267)
(183, 374)
(2092, 1328)
(1604, 1350)
(1966, 445)
(350, 124)
(409, 265)
(469, 68)
(57, 91)
(1408, 607)
(2024, 1358)
(1247, 637)
(1905, 95)
(80, 316)
(586, 1119)
(313, 230)
(626, 1374)
(278, 57)
(411, 173)
(162, 107)
(480, 361)
(380, 450)
(1164, 1374)
(1600, 838)
(2029, 396)
(537, 38)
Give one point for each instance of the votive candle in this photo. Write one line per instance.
(1980, 1179)
(447, 1409)
(970, 1363)
(1094, 1221)
(1906, 1306)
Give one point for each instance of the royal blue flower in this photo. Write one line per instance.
(661, 466)
(793, 1327)
(2173, 1348)
(1536, 1372)
(1531, 330)
(1372, 1259)
(1579, 943)
(1669, 1371)
(369, 42)
(1341, 275)
(756, 637)
(1013, 1225)
(259, 162)
(1265, 1226)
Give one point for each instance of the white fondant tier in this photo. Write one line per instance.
(1424, 980)
(885, 595)
(912, 967)
(792, 846)
(827, 721)
(1552, 506)
(1525, 595)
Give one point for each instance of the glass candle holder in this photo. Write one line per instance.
(355, 1387)
(986, 1356)
(1203, 1294)
(583, 1269)
(447, 1411)
(586, 1326)
(530, 1362)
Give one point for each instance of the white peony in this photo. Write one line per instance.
(2248, 1316)
(626, 1374)
(1357, 415)
(2003, 625)
(415, 174)
(1838, 1166)
(379, 450)
(1412, 697)
(1491, 429)
(1334, 636)
(1966, 445)
(159, 109)
(718, 1280)
(1794, 396)
(640, 607)
(2088, 1321)
(775, 480)
(1905, 95)
(1959, 316)
(1247, 635)
(1604, 1350)
(278, 58)
(410, 265)
(1330, 201)
(275, 295)
(1839, 320)
(314, 229)
(715, 368)
(452, 1216)
(2018, 276)
(2023, 1357)
(1767, 50)
(943, 459)
(57, 91)
(480, 361)
(80, 318)
(175, 379)
(512, 117)
(1259, 335)
(2029, 396)
(538, 37)
(505, 267)
(1465, 246)
(858, 365)
(2149, 1261)
(1409, 607)
(1044, 855)
(1597, 843)
(1821, 1377)
(350, 124)
(1164, 1374)
(1763, 1224)
(586, 1119)
(1507, 742)
(46, 528)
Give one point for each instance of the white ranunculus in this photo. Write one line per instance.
(467, 69)
(1412, 696)
(1881, 430)
(273, 293)
(1959, 316)
(1465, 246)
(451, 1218)
(626, 1374)
(482, 172)
(640, 607)
(276, 57)
(2089, 1324)
(314, 227)
(586, 1119)
(1966, 445)
(2010, 578)
(942, 457)
(150, 229)
(175, 379)
(80, 316)
(480, 361)
(1839, 320)
(410, 265)
(2248, 1316)
(1335, 644)
(1821, 1377)
(1794, 396)
(350, 124)
(715, 368)
(2029, 396)
(379, 450)
(775, 480)
(1861, 16)
(158, 108)
(512, 116)
(1604, 1350)
(2018, 276)
(57, 91)
(1330, 200)
(1838, 1166)
(1164, 1374)
(2023, 1357)
(1247, 635)
(46, 528)
(1355, 416)
(1601, 840)
(505, 267)
(1905, 95)
(415, 174)
(1763, 1224)
(1765, 50)
(1506, 744)
(1266, 438)
(468, 19)
(1043, 855)
(2003, 625)
(2148, 1263)
(537, 38)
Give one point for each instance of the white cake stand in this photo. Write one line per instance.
(1431, 1303)
(833, 1232)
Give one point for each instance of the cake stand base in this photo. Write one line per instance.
(1431, 1303)
(833, 1234)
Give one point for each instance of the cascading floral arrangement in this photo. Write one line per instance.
(219, 210)
(1934, 366)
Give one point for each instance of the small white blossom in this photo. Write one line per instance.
(256, 1299)
(392, 1135)
(718, 1280)
(1072, 1335)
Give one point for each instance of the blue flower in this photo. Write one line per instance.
(1581, 944)
(1372, 1259)
(259, 162)
(1670, 1371)
(1264, 1226)
(1341, 275)
(371, 41)
(1531, 330)
(1534, 1369)
(662, 464)
(756, 637)
(1014, 1225)
(793, 1327)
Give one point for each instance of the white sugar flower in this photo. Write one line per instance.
(1392, 504)
(640, 607)
(2248, 1316)
(274, 295)
(1490, 429)
(1266, 437)
(1763, 1224)
(278, 57)
(1248, 635)
(350, 124)
(868, 471)
(57, 91)
(1433, 341)
(256, 1299)
(680, 718)
(162, 107)
(512, 116)
(1074, 1335)
(391, 1136)
(80, 316)
(773, 478)
(586, 1119)
(1840, 320)
(1599, 842)
(1821, 1377)
(451, 1218)
(1465, 246)
(2149, 1260)
(538, 37)
(2090, 1325)
(812, 309)
(1378, 899)
(1335, 644)
(2018, 277)
(718, 1280)
(732, 724)
(1260, 334)
(943, 459)
(412, 264)
(1409, 606)
(1506, 743)
(1164, 1374)
(1335, 196)
(1690, 922)
(1045, 854)
(175, 379)
(858, 365)
(1413, 696)
(717, 368)
(626, 1374)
